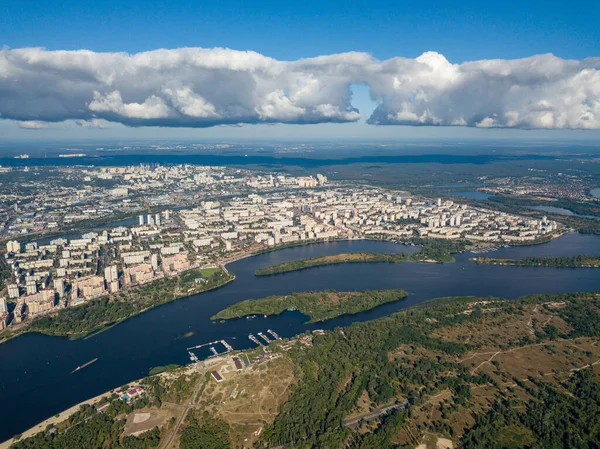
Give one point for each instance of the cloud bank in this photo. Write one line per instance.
(197, 87)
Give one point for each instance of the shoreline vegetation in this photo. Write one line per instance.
(390, 369)
(320, 261)
(581, 261)
(318, 306)
(97, 315)
(100, 314)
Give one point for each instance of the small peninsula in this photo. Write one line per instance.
(319, 261)
(581, 261)
(318, 306)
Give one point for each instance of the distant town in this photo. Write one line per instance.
(249, 212)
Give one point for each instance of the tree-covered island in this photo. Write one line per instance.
(318, 306)
(319, 261)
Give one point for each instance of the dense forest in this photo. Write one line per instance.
(560, 262)
(438, 250)
(204, 432)
(565, 417)
(342, 366)
(301, 264)
(318, 306)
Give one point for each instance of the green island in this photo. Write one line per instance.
(581, 261)
(318, 306)
(301, 264)
(462, 372)
(96, 315)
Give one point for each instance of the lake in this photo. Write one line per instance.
(35, 382)
(474, 194)
(561, 211)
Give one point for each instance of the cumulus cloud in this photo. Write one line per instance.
(198, 87)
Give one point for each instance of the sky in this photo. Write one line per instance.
(402, 64)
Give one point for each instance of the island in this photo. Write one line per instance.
(581, 261)
(318, 306)
(302, 264)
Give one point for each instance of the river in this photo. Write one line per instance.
(34, 377)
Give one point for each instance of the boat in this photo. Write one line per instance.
(84, 365)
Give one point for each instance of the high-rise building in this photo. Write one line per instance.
(157, 219)
(59, 286)
(13, 291)
(141, 218)
(111, 274)
(150, 220)
(154, 261)
(13, 247)
(3, 306)
(31, 288)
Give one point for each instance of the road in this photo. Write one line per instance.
(375, 414)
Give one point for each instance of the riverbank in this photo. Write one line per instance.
(318, 306)
(582, 261)
(58, 418)
(100, 314)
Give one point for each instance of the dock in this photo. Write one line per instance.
(254, 339)
(274, 334)
(264, 337)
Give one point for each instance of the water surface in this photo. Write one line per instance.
(34, 373)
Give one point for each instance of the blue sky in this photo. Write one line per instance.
(461, 31)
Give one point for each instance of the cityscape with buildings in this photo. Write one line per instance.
(247, 213)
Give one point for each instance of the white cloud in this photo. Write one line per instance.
(198, 87)
(32, 124)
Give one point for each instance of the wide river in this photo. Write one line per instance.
(35, 379)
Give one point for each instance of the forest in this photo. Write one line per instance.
(318, 306)
(581, 261)
(87, 428)
(343, 366)
(438, 250)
